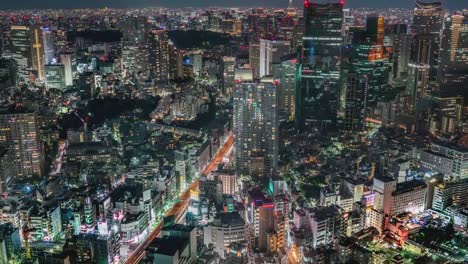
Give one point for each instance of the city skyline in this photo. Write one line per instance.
(52, 4)
(309, 134)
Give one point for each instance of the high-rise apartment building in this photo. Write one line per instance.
(8, 168)
(255, 124)
(159, 55)
(318, 91)
(19, 133)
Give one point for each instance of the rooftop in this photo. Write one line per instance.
(178, 227)
(409, 186)
(258, 197)
(168, 245)
(230, 219)
(323, 212)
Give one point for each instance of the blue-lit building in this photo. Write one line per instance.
(318, 89)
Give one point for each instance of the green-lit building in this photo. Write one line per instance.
(370, 59)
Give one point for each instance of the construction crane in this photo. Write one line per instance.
(372, 174)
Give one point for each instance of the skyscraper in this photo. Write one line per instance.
(69, 62)
(28, 48)
(159, 55)
(427, 17)
(401, 45)
(424, 54)
(375, 29)
(368, 58)
(317, 94)
(287, 87)
(355, 97)
(19, 134)
(8, 168)
(254, 58)
(426, 28)
(135, 29)
(271, 52)
(229, 66)
(454, 53)
(49, 50)
(255, 124)
(55, 76)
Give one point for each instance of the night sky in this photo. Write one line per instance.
(31, 4)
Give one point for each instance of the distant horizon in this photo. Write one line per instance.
(130, 4)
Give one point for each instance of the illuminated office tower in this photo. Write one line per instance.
(370, 59)
(229, 67)
(135, 29)
(457, 38)
(424, 51)
(159, 55)
(401, 45)
(454, 54)
(69, 62)
(55, 76)
(355, 99)
(427, 25)
(375, 29)
(28, 48)
(297, 35)
(19, 134)
(287, 87)
(255, 123)
(348, 19)
(254, 58)
(317, 94)
(135, 59)
(427, 17)
(49, 50)
(271, 52)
